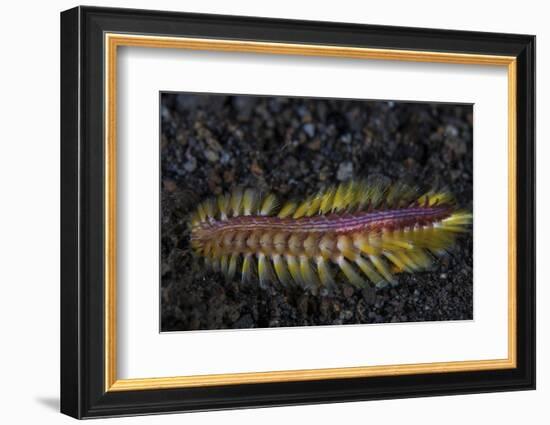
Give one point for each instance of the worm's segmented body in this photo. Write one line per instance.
(367, 230)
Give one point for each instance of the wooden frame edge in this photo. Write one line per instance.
(512, 212)
(114, 40)
(306, 375)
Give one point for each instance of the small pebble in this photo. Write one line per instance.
(348, 291)
(309, 129)
(345, 171)
(170, 185)
(315, 145)
(211, 155)
(190, 164)
(228, 176)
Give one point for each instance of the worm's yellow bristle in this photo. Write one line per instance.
(269, 205)
(281, 270)
(294, 269)
(340, 196)
(314, 205)
(250, 201)
(236, 201)
(287, 210)
(327, 198)
(247, 268)
(308, 275)
(302, 209)
(223, 205)
(232, 267)
(354, 278)
(368, 270)
(265, 271)
(382, 268)
(325, 274)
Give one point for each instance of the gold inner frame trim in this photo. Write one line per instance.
(113, 41)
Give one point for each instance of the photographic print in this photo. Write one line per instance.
(314, 224)
(289, 211)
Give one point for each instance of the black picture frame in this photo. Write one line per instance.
(83, 392)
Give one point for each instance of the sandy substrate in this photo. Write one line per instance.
(294, 147)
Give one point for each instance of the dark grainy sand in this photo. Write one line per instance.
(293, 147)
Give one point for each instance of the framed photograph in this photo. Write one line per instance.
(261, 212)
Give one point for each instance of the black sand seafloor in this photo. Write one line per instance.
(293, 147)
